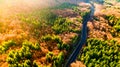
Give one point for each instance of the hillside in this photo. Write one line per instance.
(103, 43)
(37, 37)
(45, 34)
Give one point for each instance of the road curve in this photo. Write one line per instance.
(75, 53)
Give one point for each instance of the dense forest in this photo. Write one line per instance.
(45, 34)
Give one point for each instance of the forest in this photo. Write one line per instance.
(46, 33)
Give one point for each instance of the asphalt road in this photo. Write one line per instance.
(82, 41)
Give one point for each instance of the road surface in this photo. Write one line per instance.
(82, 41)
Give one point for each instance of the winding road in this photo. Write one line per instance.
(82, 41)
